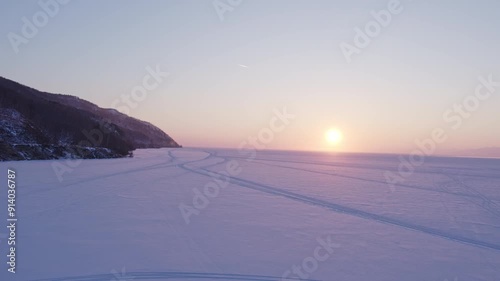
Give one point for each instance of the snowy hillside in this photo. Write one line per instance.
(37, 125)
(192, 214)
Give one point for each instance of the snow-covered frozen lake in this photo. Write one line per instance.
(210, 214)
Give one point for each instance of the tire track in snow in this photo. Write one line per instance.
(486, 204)
(111, 189)
(165, 164)
(346, 210)
(368, 167)
(172, 275)
(374, 181)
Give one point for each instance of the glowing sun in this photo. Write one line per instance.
(333, 136)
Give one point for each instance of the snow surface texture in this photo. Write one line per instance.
(119, 219)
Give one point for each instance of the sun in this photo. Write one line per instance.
(333, 136)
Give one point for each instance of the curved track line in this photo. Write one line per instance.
(486, 203)
(134, 170)
(171, 275)
(375, 181)
(369, 167)
(347, 210)
(140, 169)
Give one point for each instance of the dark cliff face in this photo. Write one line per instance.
(39, 125)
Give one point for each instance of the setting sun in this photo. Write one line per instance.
(333, 136)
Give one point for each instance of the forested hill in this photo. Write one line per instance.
(40, 125)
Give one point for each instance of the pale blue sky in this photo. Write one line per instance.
(395, 91)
